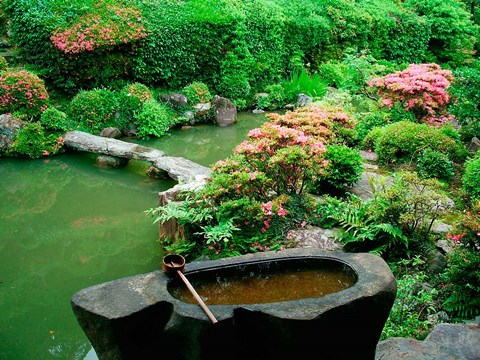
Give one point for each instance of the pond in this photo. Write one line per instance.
(66, 224)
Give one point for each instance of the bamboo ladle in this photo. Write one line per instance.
(176, 263)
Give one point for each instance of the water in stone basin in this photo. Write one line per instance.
(259, 285)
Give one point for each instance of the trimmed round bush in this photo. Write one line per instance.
(34, 142)
(154, 119)
(197, 92)
(344, 169)
(94, 110)
(471, 177)
(22, 92)
(403, 141)
(134, 95)
(434, 164)
(54, 119)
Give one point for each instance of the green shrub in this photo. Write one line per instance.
(372, 137)
(3, 63)
(367, 122)
(466, 106)
(94, 110)
(434, 164)
(462, 283)
(403, 141)
(344, 169)
(54, 119)
(197, 92)
(276, 99)
(34, 142)
(131, 99)
(22, 92)
(453, 33)
(154, 119)
(471, 177)
(409, 314)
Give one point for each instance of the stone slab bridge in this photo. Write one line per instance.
(190, 175)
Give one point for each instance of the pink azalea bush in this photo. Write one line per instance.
(420, 89)
(263, 187)
(22, 92)
(115, 26)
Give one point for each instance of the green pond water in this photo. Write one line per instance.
(66, 224)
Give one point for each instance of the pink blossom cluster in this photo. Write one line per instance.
(22, 91)
(421, 88)
(270, 209)
(94, 31)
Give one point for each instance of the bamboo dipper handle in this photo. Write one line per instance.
(197, 297)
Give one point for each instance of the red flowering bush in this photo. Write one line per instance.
(420, 89)
(115, 25)
(22, 92)
(322, 123)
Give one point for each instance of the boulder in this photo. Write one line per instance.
(225, 112)
(9, 127)
(175, 101)
(303, 100)
(111, 161)
(111, 132)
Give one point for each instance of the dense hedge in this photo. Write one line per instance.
(233, 46)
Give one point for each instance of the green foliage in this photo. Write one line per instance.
(453, 33)
(403, 141)
(434, 164)
(154, 119)
(362, 229)
(3, 63)
(54, 119)
(34, 142)
(366, 122)
(94, 110)
(303, 83)
(471, 177)
(462, 279)
(22, 92)
(344, 169)
(197, 92)
(409, 314)
(466, 106)
(277, 98)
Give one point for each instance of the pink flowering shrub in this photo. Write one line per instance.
(256, 196)
(323, 123)
(115, 25)
(22, 92)
(420, 89)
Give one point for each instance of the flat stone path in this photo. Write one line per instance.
(178, 168)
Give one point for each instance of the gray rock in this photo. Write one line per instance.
(303, 100)
(190, 116)
(318, 238)
(436, 261)
(258, 111)
(111, 132)
(202, 108)
(175, 101)
(474, 144)
(440, 228)
(445, 246)
(111, 161)
(138, 318)
(445, 342)
(224, 110)
(369, 156)
(9, 127)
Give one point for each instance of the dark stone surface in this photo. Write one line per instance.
(9, 127)
(111, 132)
(445, 342)
(137, 318)
(225, 111)
(175, 101)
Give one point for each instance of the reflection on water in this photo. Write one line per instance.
(66, 224)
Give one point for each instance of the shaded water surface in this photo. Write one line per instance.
(66, 224)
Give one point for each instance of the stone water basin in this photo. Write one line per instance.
(145, 316)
